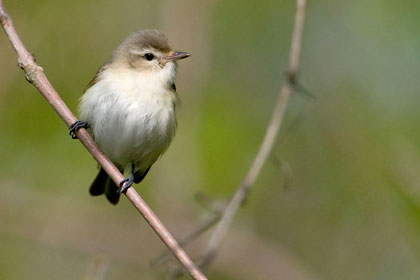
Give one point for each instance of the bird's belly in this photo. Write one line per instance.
(135, 132)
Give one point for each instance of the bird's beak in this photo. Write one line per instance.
(176, 56)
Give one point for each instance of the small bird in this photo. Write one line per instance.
(129, 108)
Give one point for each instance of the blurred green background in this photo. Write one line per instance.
(348, 208)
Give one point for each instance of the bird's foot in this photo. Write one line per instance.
(126, 183)
(76, 126)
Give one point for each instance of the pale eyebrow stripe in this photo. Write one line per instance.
(137, 52)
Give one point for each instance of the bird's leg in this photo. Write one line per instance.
(76, 126)
(127, 182)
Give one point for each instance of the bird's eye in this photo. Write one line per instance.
(149, 56)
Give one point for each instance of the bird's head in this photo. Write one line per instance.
(147, 50)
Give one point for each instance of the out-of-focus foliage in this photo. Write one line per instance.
(350, 208)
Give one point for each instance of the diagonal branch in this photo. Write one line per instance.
(268, 142)
(35, 75)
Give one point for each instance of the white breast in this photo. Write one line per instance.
(132, 115)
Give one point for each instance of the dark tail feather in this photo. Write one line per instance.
(112, 191)
(139, 175)
(104, 184)
(98, 185)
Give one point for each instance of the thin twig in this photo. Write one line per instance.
(268, 142)
(204, 227)
(35, 75)
(282, 139)
(207, 203)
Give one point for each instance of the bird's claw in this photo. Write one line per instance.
(76, 126)
(126, 183)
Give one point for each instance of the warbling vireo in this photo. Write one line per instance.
(129, 108)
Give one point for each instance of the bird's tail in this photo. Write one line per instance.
(104, 184)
